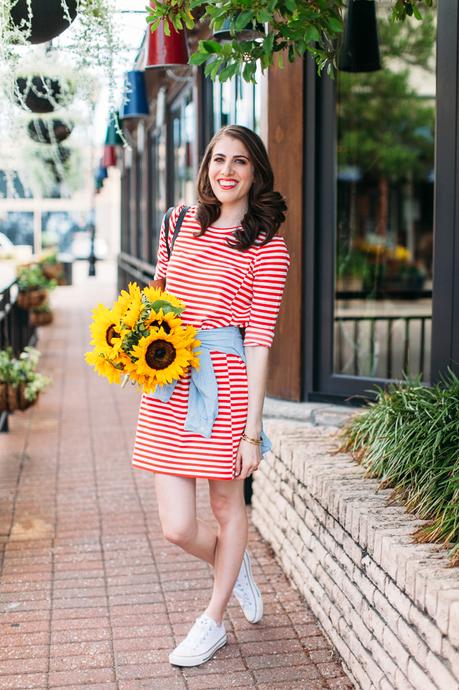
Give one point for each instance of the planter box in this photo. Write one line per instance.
(390, 606)
(12, 398)
(51, 271)
(31, 298)
(40, 318)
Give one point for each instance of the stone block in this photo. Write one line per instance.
(420, 679)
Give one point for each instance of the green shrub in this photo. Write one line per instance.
(32, 278)
(409, 437)
(23, 370)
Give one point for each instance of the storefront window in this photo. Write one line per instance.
(385, 196)
(183, 136)
(157, 186)
(18, 227)
(237, 102)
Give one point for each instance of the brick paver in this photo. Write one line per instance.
(91, 593)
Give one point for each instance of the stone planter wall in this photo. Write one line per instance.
(389, 606)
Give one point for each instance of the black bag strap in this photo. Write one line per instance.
(178, 223)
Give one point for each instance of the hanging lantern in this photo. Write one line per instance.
(109, 157)
(113, 137)
(360, 47)
(166, 51)
(49, 131)
(62, 153)
(248, 32)
(38, 94)
(48, 20)
(101, 175)
(135, 103)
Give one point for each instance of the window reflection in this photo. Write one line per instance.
(158, 187)
(237, 102)
(385, 191)
(183, 125)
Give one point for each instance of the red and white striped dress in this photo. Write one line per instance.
(220, 286)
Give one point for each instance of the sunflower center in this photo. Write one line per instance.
(160, 354)
(111, 333)
(163, 324)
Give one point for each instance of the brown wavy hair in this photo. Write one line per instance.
(266, 208)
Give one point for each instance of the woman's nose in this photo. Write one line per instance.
(227, 168)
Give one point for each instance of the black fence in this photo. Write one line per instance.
(132, 269)
(15, 330)
(383, 345)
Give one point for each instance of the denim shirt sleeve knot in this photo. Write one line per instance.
(203, 394)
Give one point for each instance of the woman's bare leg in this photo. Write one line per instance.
(176, 498)
(228, 506)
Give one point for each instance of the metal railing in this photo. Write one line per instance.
(132, 269)
(15, 329)
(369, 345)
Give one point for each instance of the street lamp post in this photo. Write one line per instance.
(92, 253)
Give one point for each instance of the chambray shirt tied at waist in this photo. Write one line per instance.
(203, 394)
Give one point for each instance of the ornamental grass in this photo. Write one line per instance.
(409, 437)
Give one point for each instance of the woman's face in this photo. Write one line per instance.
(230, 170)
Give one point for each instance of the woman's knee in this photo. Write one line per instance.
(227, 507)
(180, 533)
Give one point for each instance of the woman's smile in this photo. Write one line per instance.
(231, 172)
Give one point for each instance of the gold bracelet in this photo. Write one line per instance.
(256, 442)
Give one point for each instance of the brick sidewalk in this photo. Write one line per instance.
(91, 594)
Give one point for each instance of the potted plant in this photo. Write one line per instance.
(20, 383)
(33, 286)
(51, 267)
(49, 131)
(41, 315)
(40, 21)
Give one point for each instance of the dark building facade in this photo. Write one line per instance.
(368, 165)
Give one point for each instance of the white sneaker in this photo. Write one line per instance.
(247, 593)
(201, 643)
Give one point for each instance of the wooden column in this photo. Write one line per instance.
(284, 139)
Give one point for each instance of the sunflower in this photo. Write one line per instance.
(128, 307)
(104, 366)
(106, 331)
(153, 295)
(134, 309)
(158, 319)
(162, 356)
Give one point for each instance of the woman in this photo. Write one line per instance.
(229, 267)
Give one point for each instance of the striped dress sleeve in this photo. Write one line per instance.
(161, 256)
(269, 275)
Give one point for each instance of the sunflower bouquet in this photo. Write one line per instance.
(142, 338)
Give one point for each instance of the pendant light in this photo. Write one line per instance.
(248, 32)
(135, 103)
(113, 136)
(166, 51)
(109, 157)
(360, 48)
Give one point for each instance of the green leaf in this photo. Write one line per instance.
(210, 46)
(243, 20)
(198, 58)
(335, 25)
(311, 33)
(268, 43)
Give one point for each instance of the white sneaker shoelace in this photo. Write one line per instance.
(199, 632)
